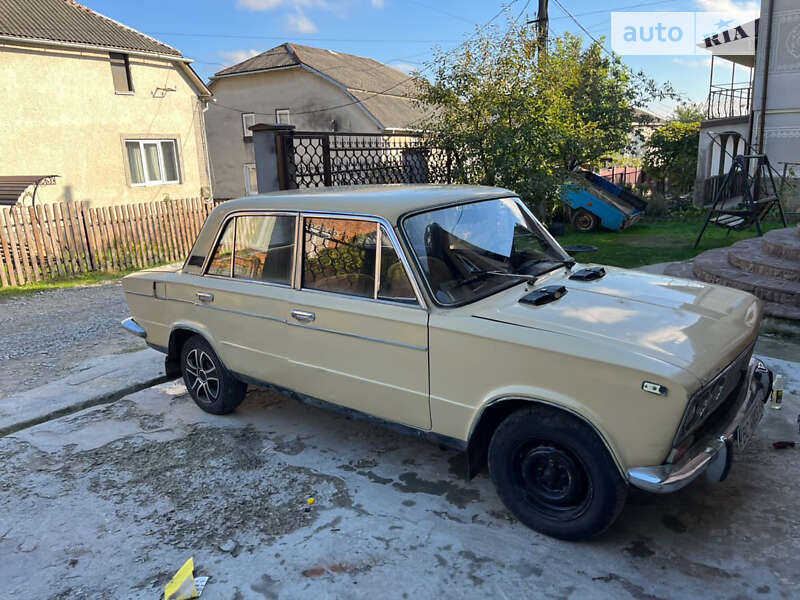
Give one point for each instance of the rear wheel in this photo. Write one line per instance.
(211, 386)
(583, 220)
(555, 474)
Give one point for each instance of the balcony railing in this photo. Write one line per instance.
(729, 101)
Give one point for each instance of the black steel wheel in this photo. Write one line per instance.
(554, 473)
(552, 479)
(584, 221)
(211, 386)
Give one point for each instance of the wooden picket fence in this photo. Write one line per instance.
(51, 241)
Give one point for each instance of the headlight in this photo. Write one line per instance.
(709, 398)
(702, 404)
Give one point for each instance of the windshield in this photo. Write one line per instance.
(469, 251)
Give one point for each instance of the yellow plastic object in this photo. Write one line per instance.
(181, 586)
(310, 501)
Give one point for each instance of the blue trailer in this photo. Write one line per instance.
(595, 201)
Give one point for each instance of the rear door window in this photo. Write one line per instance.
(264, 248)
(256, 248)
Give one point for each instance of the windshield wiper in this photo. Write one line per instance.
(478, 275)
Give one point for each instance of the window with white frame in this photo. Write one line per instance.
(250, 179)
(282, 116)
(152, 162)
(248, 120)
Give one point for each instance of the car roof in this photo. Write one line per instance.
(387, 201)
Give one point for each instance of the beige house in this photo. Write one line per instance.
(116, 114)
(310, 88)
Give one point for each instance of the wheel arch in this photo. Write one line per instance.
(492, 414)
(178, 335)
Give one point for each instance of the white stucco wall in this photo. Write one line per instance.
(263, 93)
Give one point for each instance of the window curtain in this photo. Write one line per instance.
(135, 162)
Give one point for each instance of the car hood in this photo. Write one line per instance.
(692, 325)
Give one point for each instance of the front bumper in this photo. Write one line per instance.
(712, 454)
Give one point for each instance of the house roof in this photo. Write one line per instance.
(384, 92)
(68, 22)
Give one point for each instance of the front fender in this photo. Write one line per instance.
(510, 399)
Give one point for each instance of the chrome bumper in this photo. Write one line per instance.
(713, 454)
(133, 327)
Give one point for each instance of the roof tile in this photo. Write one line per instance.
(69, 22)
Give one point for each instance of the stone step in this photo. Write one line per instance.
(712, 266)
(782, 311)
(680, 269)
(750, 255)
(784, 243)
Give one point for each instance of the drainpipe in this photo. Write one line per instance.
(762, 117)
(204, 138)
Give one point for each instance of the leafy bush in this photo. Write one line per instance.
(671, 154)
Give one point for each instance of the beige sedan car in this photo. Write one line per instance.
(450, 311)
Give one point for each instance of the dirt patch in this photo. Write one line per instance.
(212, 485)
(208, 487)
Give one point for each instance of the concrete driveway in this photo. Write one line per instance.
(110, 501)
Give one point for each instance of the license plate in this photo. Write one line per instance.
(747, 427)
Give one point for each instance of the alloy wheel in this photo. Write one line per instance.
(202, 376)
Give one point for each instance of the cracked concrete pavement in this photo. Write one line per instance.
(110, 501)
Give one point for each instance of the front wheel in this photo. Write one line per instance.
(211, 386)
(554, 474)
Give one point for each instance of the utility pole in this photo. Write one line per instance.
(542, 22)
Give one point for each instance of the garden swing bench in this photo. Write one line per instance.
(751, 176)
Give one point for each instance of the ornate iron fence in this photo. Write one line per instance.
(316, 159)
(729, 101)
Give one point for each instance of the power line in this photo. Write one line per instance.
(607, 10)
(582, 28)
(399, 83)
(304, 39)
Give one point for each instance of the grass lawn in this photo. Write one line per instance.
(85, 279)
(649, 242)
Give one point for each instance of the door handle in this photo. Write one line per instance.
(303, 316)
(204, 297)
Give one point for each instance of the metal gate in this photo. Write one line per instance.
(317, 159)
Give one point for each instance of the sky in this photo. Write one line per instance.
(401, 33)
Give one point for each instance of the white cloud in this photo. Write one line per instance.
(404, 67)
(377, 3)
(299, 23)
(259, 4)
(692, 62)
(740, 11)
(232, 57)
(262, 5)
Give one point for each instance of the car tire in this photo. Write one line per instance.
(584, 221)
(210, 384)
(555, 474)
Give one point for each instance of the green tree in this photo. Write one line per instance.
(689, 113)
(520, 121)
(671, 154)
